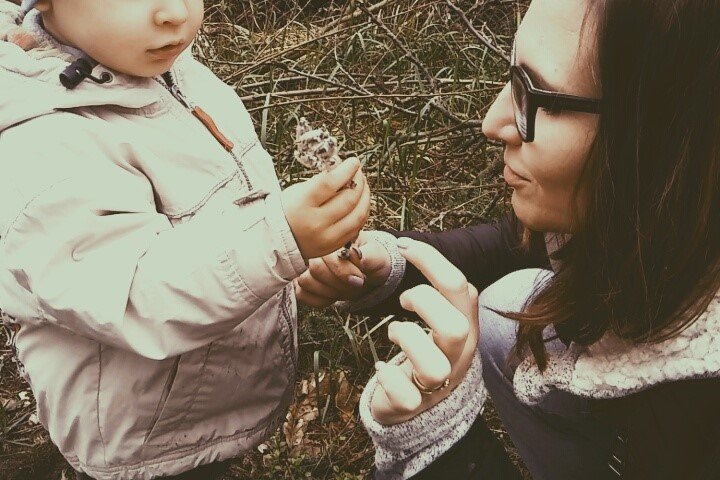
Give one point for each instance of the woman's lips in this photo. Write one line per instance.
(512, 178)
(167, 51)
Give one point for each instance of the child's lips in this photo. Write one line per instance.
(168, 50)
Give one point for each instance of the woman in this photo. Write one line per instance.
(601, 350)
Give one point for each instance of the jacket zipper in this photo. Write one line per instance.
(205, 119)
(287, 314)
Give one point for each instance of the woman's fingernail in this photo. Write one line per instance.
(403, 242)
(356, 281)
(391, 327)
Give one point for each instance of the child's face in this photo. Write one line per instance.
(125, 34)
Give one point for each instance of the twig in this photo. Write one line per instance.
(386, 83)
(371, 96)
(492, 203)
(477, 34)
(360, 91)
(377, 21)
(355, 14)
(429, 76)
(275, 55)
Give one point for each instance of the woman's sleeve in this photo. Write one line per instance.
(479, 455)
(407, 448)
(448, 441)
(484, 253)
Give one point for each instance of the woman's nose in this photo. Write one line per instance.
(174, 12)
(499, 123)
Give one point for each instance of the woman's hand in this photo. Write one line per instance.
(450, 309)
(331, 278)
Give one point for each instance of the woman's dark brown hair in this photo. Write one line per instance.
(644, 260)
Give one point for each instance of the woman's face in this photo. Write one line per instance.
(545, 174)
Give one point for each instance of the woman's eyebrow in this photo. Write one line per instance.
(538, 80)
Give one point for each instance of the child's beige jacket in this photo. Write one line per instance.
(148, 267)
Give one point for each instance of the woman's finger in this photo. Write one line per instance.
(312, 285)
(449, 325)
(339, 269)
(442, 274)
(319, 271)
(396, 395)
(311, 299)
(431, 366)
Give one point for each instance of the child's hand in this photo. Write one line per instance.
(324, 215)
(331, 278)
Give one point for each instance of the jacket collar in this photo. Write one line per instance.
(31, 78)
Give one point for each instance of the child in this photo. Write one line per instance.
(147, 252)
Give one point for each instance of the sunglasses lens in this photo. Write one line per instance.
(520, 103)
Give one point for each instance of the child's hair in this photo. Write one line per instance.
(14, 33)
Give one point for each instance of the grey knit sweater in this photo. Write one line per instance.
(609, 368)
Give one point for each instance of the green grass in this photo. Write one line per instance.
(404, 85)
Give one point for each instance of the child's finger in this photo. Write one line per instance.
(325, 185)
(345, 200)
(351, 223)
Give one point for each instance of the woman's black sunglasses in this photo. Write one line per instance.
(527, 99)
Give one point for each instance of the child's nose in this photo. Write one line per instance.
(172, 11)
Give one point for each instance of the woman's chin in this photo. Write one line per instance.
(523, 211)
(533, 216)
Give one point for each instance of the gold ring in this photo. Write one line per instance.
(425, 390)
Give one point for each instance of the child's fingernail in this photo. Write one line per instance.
(356, 281)
(403, 242)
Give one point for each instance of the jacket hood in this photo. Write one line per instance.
(29, 80)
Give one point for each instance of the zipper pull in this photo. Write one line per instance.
(198, 113)
(180, 97)
(201, 115)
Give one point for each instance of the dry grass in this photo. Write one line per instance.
(404, 85)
